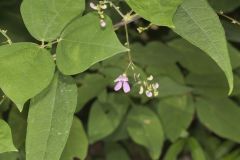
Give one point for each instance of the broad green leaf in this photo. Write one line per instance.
(145, 129)
(45, 19)
(174, 150)
(220, 116)
(6, 143)
(26, 69)
(77, 144)
(9, 156)
(18, 123)
(212, 85)
(91, 86)
(224, 5)
(196, 150)
(194, 59)
(115, 151)
(159, 12)
(154, 54)
(169, 87)
(86, 43)
(171, 70)
(196, 22)
(50, 119)
(176, 114)
(105, 117)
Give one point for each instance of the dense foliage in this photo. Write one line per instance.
(119, 79)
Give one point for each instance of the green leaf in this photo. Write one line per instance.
(159, 12)
(18, 123)
(105, 117)
(220, 116)
(45, 19)
(86, 43)
(145, 129)
(196, 22)
(6, 143)
(224, 5)
(174, 150)
(197, 152)
(196, 61)
(153, 54)
(211, 85)
(9, 156)
(176, 114)
(169, 87)
(232, 31)
(91, 86)
(77, 144)
(115, 151)
(26, 69)
(50, 119)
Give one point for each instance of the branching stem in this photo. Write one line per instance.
(4, 33)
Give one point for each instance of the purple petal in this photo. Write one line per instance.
(149, 94)
(126, 87)
(118, 86)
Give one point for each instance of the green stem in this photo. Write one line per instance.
(234, 21)
(4, 33)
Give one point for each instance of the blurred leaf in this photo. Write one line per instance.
(196, 22)
(224, 5)
(212, 85)
(115, 151)
(174, 150)
(145, 129)
(91, 86)
(77, 144)
(18, 123)
(170, 70)
(105, 117)
(196, 150)
(45, 19)
(4, 104)
(6, 143)
(159, 12)
(220, 116)
(9, 156)
(168, 87)
(87, 44)
(26, 70)
(50, 119)
(223, 149)
(234, 155)
(232, 31)
(153, 54)
(234, 54)
(196, 61)
(176, 114)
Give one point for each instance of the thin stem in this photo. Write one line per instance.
(50, 43)
(133, 18)
(234, 21)
(131, 64)
(4, 33)
(115, 7)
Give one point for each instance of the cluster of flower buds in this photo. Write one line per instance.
(100, 7)
(150, 89)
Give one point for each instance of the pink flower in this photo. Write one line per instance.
(122, 82)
